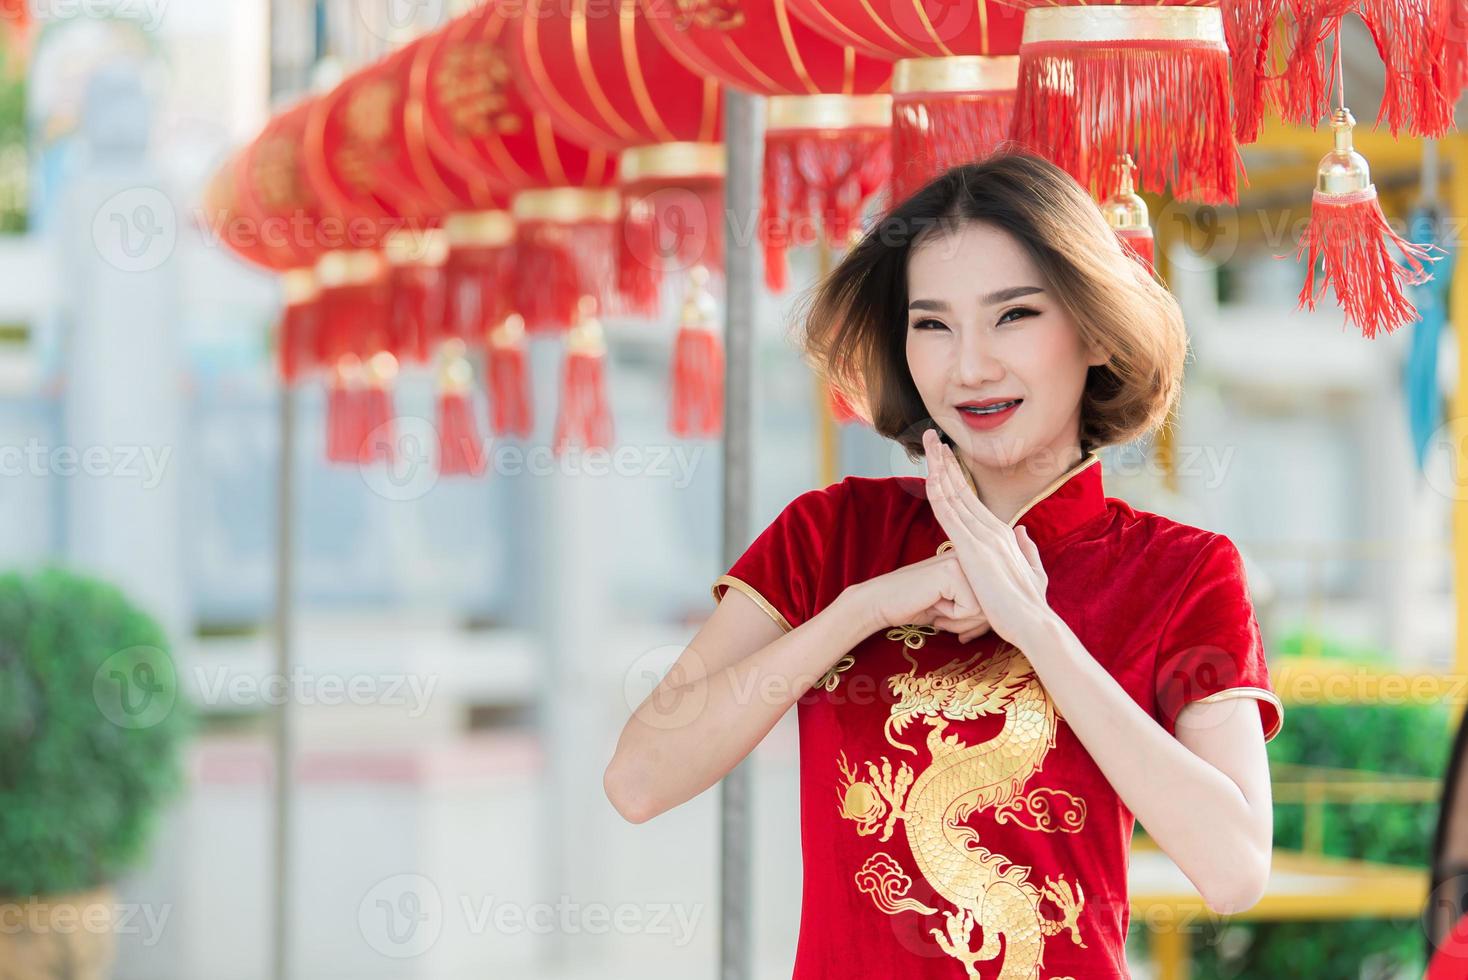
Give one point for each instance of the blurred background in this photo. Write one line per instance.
(280, 711)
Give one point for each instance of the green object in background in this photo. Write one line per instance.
(1401, 740)
(92, 728)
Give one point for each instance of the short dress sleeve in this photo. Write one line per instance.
(1211, 647)
(781, 569)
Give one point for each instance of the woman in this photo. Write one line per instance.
(998, 667)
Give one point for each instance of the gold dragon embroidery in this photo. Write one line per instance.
(987, 890)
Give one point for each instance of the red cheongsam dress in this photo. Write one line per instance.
(952, 824)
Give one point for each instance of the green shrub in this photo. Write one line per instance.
(92, 724)
(1406, 739)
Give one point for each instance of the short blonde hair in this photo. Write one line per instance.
(855, 319)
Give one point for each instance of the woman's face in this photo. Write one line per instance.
(983, 326)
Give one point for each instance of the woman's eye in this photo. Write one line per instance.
(924, 324)
(1023, 311)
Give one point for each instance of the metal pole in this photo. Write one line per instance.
(284, 783)
(743, 138)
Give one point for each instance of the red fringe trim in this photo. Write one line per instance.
(557, 264)
(666, 227)
(1416, 40)
(584, 414)
(1080, 130)
(479, 292)
(1350, 232)
(509, 390)
(1248, 26)
(415, 310)
(353, 320)
(698, 383)
(934, 131)
(296, 341)
(459, 448)
(817, 180)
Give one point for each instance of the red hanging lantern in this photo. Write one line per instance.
(1097, 81)
(827, 141)
(604, 79)
(954, 82)
(478, 122)
(345, 134)
(234, 214)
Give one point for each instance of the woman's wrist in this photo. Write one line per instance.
(856, 607)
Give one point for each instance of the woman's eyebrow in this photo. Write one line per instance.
(998, 296)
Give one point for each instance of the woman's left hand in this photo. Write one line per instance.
(1002, 564)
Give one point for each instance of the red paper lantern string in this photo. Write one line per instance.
(825, 155)
(459, 449)
(584, 416)
(1099, 81)
(509, 379)
(698, 365)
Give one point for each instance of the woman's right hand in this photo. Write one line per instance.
(932, 592)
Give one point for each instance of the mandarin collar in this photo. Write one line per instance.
(1071, 499)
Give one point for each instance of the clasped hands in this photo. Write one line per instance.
(1001, 565)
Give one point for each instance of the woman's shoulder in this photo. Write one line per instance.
(1165, 539)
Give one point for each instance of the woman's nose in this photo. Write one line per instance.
(977, 362)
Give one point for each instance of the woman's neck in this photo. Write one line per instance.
(1005, 490)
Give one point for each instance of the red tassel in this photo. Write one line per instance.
(1350, 232)
(459, 449)
(378, 427)
(698, 383)
(933, 131)
(584, 415)
(345, 432)
(1080, 128)
(817, 180)
(509, 379)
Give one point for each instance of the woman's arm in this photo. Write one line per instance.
(738, 675)
(1204, 796)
